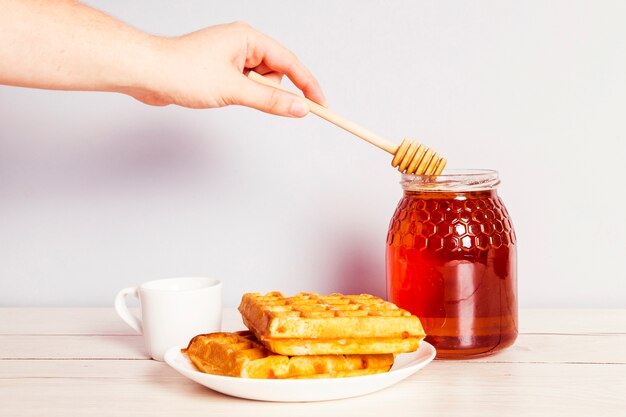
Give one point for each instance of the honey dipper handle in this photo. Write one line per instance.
(334, 118)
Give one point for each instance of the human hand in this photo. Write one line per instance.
(209, 68)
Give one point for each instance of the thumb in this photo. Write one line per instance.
(269, 100)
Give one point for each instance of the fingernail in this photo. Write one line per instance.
(298, 108)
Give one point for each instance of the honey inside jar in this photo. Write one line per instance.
(451, 261)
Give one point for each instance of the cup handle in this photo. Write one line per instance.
(124, 312)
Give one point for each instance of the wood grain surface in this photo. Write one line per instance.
(59, 362)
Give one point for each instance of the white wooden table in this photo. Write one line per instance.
(86, 362)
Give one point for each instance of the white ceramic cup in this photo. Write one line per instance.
(173, 310)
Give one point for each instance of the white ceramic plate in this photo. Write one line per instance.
(292, 390)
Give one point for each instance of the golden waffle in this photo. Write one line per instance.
(312, 324)
(239, 354)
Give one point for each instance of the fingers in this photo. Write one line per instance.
(265, 51)
(269, 100)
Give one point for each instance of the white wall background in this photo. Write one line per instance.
(98, 191)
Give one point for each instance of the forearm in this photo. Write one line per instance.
(64, 45)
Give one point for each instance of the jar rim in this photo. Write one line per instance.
(459, 180)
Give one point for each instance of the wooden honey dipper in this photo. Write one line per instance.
(410, 157)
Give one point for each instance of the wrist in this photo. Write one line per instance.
(146, 70)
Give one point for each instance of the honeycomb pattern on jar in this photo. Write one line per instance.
(453, 225)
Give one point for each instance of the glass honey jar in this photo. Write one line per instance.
(452, 261)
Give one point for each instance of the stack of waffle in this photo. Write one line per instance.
(309, 336)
